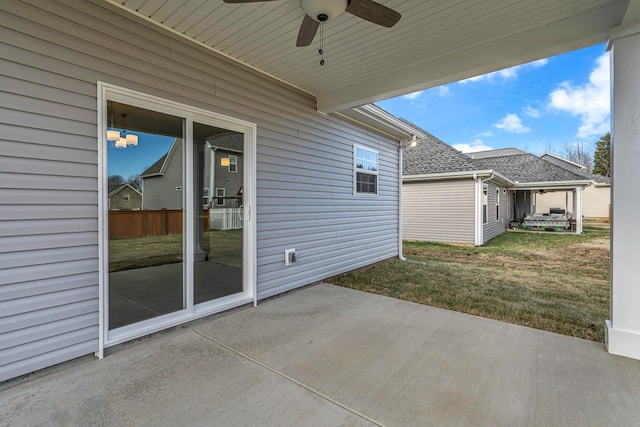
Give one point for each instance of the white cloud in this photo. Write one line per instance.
(444, 91)
(590, 101)
(485, 134)
(512, 123)
(531, 111)
(475, 145)
(539, 63)
(507, 73)
(474, 79)
(412, 95)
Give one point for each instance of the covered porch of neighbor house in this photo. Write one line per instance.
(524, 213)
(326, 355)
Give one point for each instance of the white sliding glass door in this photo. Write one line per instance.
(178, 238)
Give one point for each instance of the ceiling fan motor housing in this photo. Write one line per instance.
(323, 10)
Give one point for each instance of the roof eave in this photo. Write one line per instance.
(550, 185)
(376, 118)
(444, 176)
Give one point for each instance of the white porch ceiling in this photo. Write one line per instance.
(435, 42)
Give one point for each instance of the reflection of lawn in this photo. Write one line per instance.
(224, 247)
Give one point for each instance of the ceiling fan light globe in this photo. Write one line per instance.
(329, 8)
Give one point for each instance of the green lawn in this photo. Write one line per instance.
(223, 247)
(548, 281)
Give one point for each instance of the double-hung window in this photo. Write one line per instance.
(220, 195)
(365, 167)
(233, 163)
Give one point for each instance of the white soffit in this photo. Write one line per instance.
(435, 42)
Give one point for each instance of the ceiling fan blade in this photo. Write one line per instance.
(245, 1)
(374, 12)
(307, 31)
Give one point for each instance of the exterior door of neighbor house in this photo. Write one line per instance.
(184, 252)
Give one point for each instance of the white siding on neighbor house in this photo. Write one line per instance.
(495, 225)
(53, 53)
(439, 211)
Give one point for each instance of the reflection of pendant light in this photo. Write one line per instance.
(121, 140)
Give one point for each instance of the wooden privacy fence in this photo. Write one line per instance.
(225, 219)
(130, 224)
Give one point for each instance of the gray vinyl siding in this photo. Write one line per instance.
(495, 225)
(161, 191)
(53, 54)
(439, 211)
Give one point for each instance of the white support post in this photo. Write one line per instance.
(577, 208)
(623, 330)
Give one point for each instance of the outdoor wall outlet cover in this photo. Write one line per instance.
(289, 256)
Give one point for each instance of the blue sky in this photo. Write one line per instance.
(546, 104)
(135, 159)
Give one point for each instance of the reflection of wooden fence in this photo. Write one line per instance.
(225, 219)
(128, 224)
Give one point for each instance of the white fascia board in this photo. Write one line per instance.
(443, 176)
(376, 118)
(564, 160)
(391, 120)
(550, 185)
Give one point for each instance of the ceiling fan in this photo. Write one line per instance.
(318, 11)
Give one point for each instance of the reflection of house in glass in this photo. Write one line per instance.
(221, 166)
(124, 197)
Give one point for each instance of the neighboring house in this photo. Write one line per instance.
(596, 197)
(450, 197)
(162, 182)
(125, 197)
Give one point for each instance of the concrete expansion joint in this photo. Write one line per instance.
(288, 378)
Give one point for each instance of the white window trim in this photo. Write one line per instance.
(233, 161)
(216, 196)
(485, 207)
(191, 114)
(355, 171)
(498, 204)
(205, 196)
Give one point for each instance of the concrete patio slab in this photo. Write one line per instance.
(326, 355)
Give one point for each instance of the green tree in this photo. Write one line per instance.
(602, 156)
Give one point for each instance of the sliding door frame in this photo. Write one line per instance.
(109, 92)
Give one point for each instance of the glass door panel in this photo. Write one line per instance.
(218, 212)
(145, 151)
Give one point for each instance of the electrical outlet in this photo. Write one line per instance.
(289, 256)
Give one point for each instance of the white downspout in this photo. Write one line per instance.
(479, 187)
(478, 210)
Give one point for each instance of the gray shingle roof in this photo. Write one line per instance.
(563, 163)
(155, 168)
(528, 168)
(495, 153)
(431, 155)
